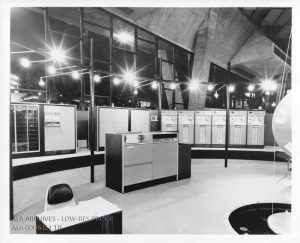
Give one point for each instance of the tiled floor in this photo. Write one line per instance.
(199, 205)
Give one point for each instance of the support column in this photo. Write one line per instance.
(202, 56)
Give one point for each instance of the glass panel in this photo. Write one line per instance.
(101, 87)
(167, 71)
(145, 61)
(145, 35)
(122, 60)
(33, 130)
(97, 16)
(101, 43)
(146, 47)
(65, 20)
(12, 130)
(21, 128)
(69, 46)
(182, 63)
(27, 27)
(123, 35)
(165, 51)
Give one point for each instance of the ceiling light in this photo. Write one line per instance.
(269, 85)
(210, 87)
(57, 55)
(135, 92)
(231, 88)
(39, 93)
(251, 87)
(75, 75)
(25, 62)
(267, 92)
(42, 82)
(51, 70)
(194, 84)
(216, 95)
(154, 85)
(173, 86)
(97, 78)
(273, 104)
(129, 76)
(124, 37)
(135, 83)
(116, 81)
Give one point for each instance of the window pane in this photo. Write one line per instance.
(101, 42)
(101, 87)
(145, 35)
(96, 16)
(165, 51)
(182, 63)
(167, 71)
(65, 20)
(145, 61)
(21, 128)
(146, 47)
(122, 60)
(70, 47)
(123, 35)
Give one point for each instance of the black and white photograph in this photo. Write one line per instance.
(149, 120)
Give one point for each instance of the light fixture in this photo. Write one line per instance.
(267, 92)
(135, 92)
(135, 83)
(97, 78)
(75, 75)
(25, 62)
(154, 85)
(124, 37)
(231, 88)
(116, 81)
(129, 76)
(41, 82)
(16, 91)
(269, 85)
(173, 86)
(39, 93)
(273, 104)
(58, 55)
(251, 87)
(210, 87)
(247, 94)
(60, 95)
(51, 70)
(216, 95)
(194, 84)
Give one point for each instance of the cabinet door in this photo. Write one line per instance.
(106, 124)
(67, 135)
(52, 131)
(164, 160)
(120, 120)
(137, 154)
(140, 120)
(137, 173)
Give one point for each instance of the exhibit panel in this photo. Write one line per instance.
(255, 129)
(218, 128)
(110, 120)
(203, 128)
(60, 128)
(169, 120)
(139, 120)
(238, 128)
(25, 128)
(186, 125)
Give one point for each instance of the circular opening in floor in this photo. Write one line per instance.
(253, 218)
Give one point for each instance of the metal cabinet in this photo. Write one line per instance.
(169, 121)
(186, 125)
(238, 127)
(256, 127)
(139, 120)
(203, 128)
(218, 127)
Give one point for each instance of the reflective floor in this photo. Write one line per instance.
(200, 205)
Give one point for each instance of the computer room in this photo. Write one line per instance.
(127, 120)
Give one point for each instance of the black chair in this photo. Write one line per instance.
(58, 196)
